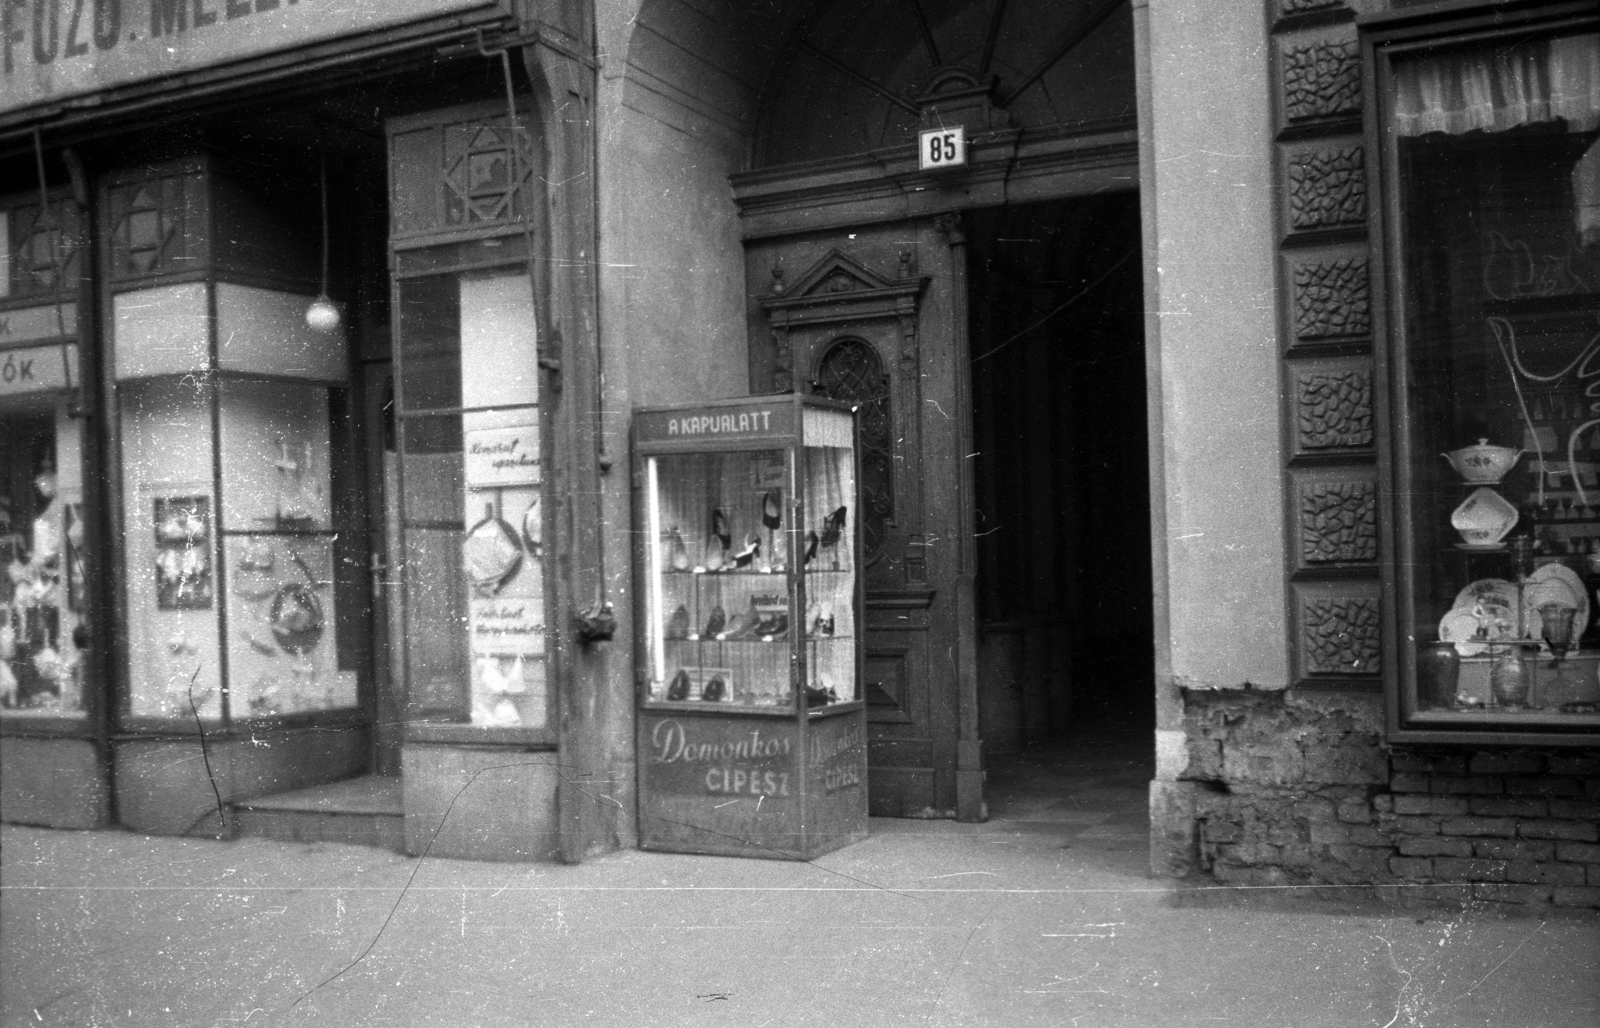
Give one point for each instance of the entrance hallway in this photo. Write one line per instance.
(1023, 921)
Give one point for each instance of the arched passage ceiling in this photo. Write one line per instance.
(814, 79)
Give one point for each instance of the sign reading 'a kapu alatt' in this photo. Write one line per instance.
(55, 49)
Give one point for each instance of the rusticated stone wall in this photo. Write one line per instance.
(1297, 788)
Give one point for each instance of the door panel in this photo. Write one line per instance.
(869, 316)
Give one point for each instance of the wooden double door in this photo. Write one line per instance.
(877, 316)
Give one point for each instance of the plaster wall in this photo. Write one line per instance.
(57, 783)
(1210, 201)
(671, 119)
(480, 802)
(163, 786)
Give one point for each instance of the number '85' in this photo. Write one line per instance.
(942, 148)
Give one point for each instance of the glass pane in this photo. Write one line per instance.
(276, 456)
(170, 547)
(436, 623)
(42, 601)
(282, 629)
(430, 343)
(830, 565)
(719, 596)
(472, 506)
(1498, 178)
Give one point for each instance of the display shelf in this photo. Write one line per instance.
(752, 734)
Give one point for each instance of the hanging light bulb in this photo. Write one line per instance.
(322, 314)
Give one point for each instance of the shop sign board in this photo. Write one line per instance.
(772, 422)
(54, 49)
(38, 369)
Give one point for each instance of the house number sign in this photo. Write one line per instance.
(942, 148)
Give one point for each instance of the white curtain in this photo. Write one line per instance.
(1492, 90)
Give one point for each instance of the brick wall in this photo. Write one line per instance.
(1299, 789)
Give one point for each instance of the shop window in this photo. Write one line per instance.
(471, 474)
(44, 607)
(1491, 170)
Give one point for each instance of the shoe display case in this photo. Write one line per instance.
(751, 728)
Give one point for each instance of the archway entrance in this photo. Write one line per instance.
(1061, 504)
(979, 640)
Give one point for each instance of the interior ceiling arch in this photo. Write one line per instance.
(817, 79)
(852, 71)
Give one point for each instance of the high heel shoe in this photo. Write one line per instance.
(832, 526)
(715, 690)
(679, 689)
(678, 624)
(679, 553)
(811, 547)
(752, 547)
(717, 622)
(719, 527)
(771, 512)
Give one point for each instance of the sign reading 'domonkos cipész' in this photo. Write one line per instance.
(51, 49)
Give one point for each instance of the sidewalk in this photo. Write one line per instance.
(1038, 920)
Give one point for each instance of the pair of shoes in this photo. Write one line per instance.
(771, 626)
(679, 689)
(820, 697)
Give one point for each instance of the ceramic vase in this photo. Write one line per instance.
(1438, 674)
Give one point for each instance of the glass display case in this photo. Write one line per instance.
(752, 729)
(1493, 242)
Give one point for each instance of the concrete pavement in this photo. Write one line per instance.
(1041, 918)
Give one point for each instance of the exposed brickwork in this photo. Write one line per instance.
(1302, 790)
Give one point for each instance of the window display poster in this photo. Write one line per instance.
(183, 553)
(502, 456)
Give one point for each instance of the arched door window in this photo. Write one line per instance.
(850, 370)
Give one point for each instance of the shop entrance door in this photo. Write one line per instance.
(383, 539)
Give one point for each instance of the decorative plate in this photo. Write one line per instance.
(1461, 627)
(1554, 583)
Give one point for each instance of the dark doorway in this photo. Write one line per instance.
(1062, 472)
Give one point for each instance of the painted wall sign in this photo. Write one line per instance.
(723, 758)
(38, 369)
(51, 49)
(501, 456)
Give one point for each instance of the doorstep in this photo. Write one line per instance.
(365, 811)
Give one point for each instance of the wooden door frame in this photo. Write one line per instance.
(848, 193)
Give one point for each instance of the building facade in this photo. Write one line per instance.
(328, 321)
